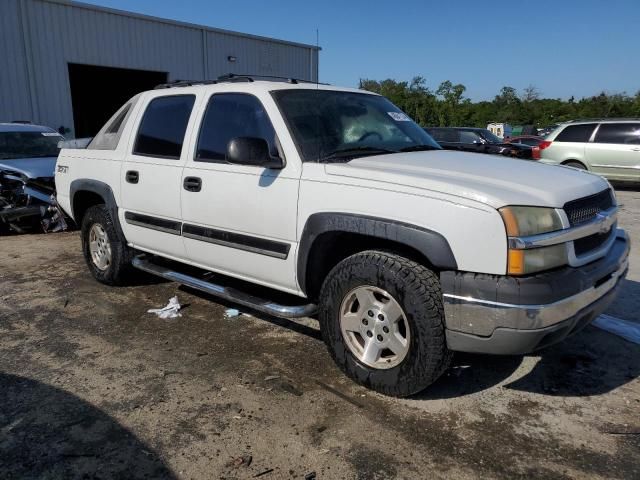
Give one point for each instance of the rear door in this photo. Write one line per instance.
(570, 143)
(151, 174)
(615, 151)
(241, 220)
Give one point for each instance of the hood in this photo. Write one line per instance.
(31, 167)
(494, 180)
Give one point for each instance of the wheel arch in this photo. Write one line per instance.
(573, 160)
(85, 193)
(328, 238)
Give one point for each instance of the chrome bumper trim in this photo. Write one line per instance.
(600, 224)
(481, 317)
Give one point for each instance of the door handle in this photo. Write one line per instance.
(132, 176)
(635, 149)
(192, 184)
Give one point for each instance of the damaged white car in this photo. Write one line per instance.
(28, 156)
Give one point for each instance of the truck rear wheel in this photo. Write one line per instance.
(382, 318)
(108, 258)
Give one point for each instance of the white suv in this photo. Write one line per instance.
(610, 148)
(337, 198)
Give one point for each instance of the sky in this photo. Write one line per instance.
(562, 47)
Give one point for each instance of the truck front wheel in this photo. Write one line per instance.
(382, 318)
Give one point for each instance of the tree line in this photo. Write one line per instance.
(447, 105)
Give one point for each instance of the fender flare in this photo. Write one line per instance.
(99, 188)
(432, 245)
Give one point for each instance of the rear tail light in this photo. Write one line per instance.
(535, 153)
(536, 150)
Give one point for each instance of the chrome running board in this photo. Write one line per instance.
(143, 263)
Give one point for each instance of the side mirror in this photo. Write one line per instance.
(252, 151)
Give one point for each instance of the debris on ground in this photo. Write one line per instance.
(623, 328)
(310, 476)
(271, 377)
(171, 310)
(242, 461)
(263, 473)
(231, 312)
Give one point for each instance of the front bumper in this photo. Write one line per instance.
(511, 315)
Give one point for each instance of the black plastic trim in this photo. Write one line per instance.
(539, 289)
(429, 243)
(154, 223)
(101, 189)
(238, 241)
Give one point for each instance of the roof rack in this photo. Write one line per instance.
(232, 77)
(602, 119)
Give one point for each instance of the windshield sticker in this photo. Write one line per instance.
(399, 116)
(50, 134)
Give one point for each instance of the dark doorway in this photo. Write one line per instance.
(97, 92)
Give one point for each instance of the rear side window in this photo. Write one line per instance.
(231, 115)
(161, 132)
(622, 133)
(468, 137)
(444, 135)
(576, 133)
(109, 136)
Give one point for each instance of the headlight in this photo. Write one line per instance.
(526, 221)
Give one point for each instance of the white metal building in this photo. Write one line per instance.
(71, 65)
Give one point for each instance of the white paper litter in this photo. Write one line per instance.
(623, 328)
(171, 310)
(231, 312)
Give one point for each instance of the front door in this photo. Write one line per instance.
(240, 220)
(615, 151)
(150, 212)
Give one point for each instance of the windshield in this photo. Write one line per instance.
(329, 125)
(29, 144)
(490, 137)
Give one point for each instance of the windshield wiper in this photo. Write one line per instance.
(418, 148)
(348, 153)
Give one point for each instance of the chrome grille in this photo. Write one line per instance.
(586, 208)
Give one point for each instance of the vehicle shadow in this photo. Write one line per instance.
(592, 362)
(289, 324)
(46, 432)
(627, 304)
(626, 186)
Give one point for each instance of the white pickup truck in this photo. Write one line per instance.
(338, 199)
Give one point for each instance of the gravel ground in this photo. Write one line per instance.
(91, 386)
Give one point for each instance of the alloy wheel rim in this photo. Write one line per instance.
(374, 327)
(99, 247)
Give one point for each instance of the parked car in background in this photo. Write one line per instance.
(543, 132)
(28, 156)
(529, 140)
(478, 140)
(608, 147)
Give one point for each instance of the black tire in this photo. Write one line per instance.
(119, 268)
(417, 290)
(573, 164)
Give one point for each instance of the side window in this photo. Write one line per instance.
(622, 133)
(468, 137)
(163, 126)
(109, 136)
(231, 115)
(576, 133)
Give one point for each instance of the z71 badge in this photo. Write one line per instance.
(63, 169)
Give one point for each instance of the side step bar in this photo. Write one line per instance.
(143, 263)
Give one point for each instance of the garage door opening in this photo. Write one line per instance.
(97, 92)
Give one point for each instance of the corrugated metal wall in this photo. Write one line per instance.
(38, 38)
